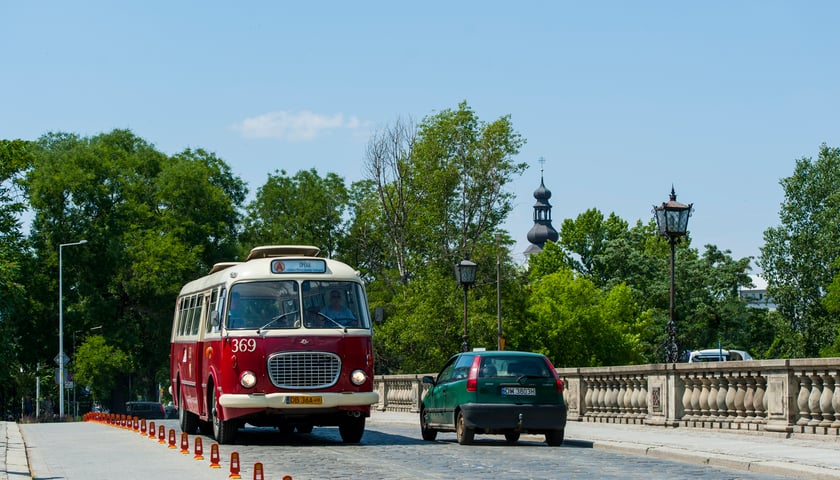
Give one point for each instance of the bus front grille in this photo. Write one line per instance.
(298, 370)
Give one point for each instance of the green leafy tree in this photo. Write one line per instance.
(584, 239)
(151, 222)
(304, 209)
(577, 325)
(799, 256)
(442, 186)
(98, 366)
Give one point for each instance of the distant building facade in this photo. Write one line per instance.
(756, 296)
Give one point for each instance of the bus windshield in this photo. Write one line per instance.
(266, 305)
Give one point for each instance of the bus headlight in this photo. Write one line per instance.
(358, 377)
(248, 379)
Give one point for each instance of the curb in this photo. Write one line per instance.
(17, 464)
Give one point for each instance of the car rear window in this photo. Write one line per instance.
(514, 367)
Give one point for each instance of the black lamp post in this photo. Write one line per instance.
(465, 274)
(672, 223)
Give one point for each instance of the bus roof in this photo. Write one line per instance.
(269, 251)
(258, 267)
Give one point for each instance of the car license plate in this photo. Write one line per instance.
(304, 400)
(517, 391)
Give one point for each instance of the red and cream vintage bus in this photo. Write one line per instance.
(282, 339)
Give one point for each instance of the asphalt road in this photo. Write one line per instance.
(388, 451)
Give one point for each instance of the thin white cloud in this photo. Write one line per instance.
(294, 127)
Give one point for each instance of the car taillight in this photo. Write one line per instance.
(556, 377)
(472, 378)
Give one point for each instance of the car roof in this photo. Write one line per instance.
(500, 353)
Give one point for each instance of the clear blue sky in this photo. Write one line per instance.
(622, 99)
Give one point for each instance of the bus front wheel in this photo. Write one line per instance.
(352, 429)
(223, 430)
(187, 420)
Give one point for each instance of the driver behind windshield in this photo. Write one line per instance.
(336, 310)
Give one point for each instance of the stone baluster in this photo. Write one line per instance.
(814, 399)
(835, 400)
(643, 397)
(703, 403)
(627, 388)
(759, 402)
(739, 398)
(687, 409)
(588, 406)
(635, 408)
(802, 398)
(749, 394)
(714, 383)
(696, 391)
(723, 389)
(613, 397)
(826, 408)
(731, 392)
(602, 397)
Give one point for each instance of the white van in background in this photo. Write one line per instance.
(718, 355)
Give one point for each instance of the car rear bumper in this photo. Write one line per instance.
(522, 418)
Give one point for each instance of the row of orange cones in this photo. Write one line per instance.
(139, 425)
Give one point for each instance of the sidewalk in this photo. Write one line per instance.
(817, 459)
(13, 453)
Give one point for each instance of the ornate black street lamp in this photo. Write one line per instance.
(672, 223)
(465, 274)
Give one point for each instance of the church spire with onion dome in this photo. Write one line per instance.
(542, 231)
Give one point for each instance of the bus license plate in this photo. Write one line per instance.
(512, 391)
(304, 400)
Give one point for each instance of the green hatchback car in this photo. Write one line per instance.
(495, 392)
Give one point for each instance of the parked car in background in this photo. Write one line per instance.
(494, 392)
(170, 410)
(718, 355)
(148, 410)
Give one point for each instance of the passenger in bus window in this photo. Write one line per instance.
(336, 310)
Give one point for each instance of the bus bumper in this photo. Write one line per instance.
(288, 400)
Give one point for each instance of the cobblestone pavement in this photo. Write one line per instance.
(392, 449)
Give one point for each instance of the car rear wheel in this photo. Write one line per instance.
(465, 434)
(223, 430)
(427, 433)
(555, 437)
(187, 420)
(512, 437)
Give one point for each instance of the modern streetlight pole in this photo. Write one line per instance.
(61, 328)
(465, 274)
(672, 223)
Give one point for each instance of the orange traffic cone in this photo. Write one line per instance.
(234, 465)
(214, 456)
(199, 449)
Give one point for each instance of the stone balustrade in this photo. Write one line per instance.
(778, 397)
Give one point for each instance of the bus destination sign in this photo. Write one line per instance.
(298, 266)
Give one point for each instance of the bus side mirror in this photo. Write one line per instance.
(214, 319)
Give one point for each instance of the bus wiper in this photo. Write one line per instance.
(333, 321)
(274, 319)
